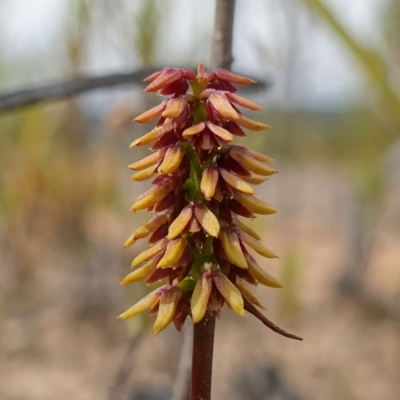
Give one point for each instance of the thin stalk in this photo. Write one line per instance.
(203, 334)
(203, 349)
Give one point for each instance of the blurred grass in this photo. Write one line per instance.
(292, 266)
(371, 60)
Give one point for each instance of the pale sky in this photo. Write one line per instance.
(270, 36)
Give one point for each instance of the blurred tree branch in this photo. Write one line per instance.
(26, 97)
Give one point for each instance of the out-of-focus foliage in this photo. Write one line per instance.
(147, 24)
(64, 199)
(371, 60)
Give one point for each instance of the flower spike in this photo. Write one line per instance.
(202, 184)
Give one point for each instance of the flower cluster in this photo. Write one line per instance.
(202, 185)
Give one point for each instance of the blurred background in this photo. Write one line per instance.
(330, 74)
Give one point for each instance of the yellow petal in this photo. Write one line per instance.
(174, 107)
(200, 296)
(144, 174)
(251, 124)
(260, 275)
(147, 161)
(226, 75)
(248, 295)
(246, 160)
(229, 292)
(144, 304)
(256, 245)
(194, 130)
(235, 182)
(142, 272)
(180, 222)
(154, 135)
(253, 204)
(261, 157)
(146, 229)
(152, 113)
(130, 241)
(243, 102)
(209, 180)
(166, 310)
(152, 251)
(220, 132)
(165, 77)
(152, 196)
(207, 220)
(172, 159)
(218, 195)
(223, 106)
(173, 252)
(231, 245)
(254, 179)
(245, 228)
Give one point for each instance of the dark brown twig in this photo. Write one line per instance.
(203, 348)
(252, 310)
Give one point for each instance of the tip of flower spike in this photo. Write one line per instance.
(200, 69)
(167, 76)
(151, 77)
(226, 75)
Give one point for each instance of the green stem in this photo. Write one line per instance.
(192, 185)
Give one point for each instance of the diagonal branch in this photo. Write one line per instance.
(252, 310)
(55, 91)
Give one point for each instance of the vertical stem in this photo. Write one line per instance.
(203, 347)
(203, 339)
(223, 33)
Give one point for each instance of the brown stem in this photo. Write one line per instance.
(203, 347)
(223, 32)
